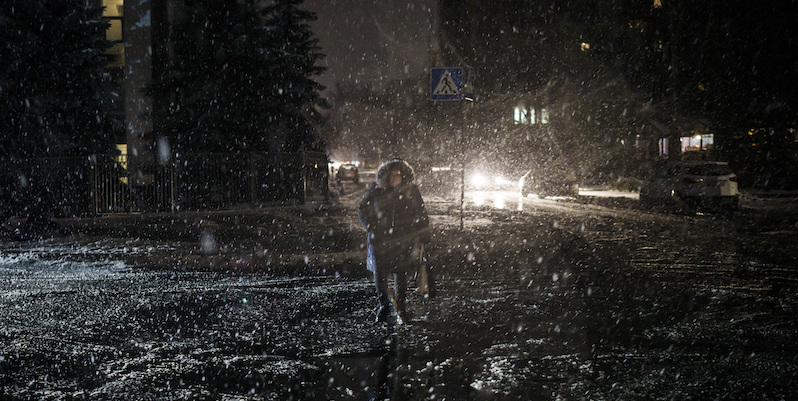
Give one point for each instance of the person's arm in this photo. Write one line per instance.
(365, 210)
(421, 221)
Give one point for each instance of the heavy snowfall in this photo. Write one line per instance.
(589, 298)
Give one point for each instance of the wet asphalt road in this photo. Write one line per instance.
(562, 300)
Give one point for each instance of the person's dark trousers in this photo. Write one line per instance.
(383, 300)
(382, 269)
(394, 261)
(400, 289)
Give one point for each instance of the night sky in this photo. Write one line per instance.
(373, 40)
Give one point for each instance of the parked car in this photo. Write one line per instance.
(348, 172)
(692, 184)
(559, 183)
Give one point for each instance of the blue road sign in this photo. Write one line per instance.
(446, 83)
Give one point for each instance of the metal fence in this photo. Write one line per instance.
(102, 184)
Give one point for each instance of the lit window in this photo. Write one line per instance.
(697, 142)
(585, 46)
(657, 3)
(520, 115)
(121, 158)
(113, 12)
(709, 140)
(530, 116)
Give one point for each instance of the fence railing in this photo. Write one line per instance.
(103, 184)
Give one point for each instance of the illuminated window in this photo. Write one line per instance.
(585, 46)
(530, 116)
(520, 115)
(121, 158)
(709, 140)
(657, 3)
(663, 148)
(113, 12)
(697, 142)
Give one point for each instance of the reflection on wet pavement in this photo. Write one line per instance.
(561, 300)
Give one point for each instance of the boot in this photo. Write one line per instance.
(382, 313)
(403, 317)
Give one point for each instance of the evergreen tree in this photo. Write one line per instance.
(293, 59)
(234, 82)
(54, 93)
(212, 87)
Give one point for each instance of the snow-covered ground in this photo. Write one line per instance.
(557, 299)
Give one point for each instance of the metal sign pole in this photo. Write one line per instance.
(455, 84)
(462, 164)
(467, 96)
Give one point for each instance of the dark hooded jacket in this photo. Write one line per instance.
(394, 216)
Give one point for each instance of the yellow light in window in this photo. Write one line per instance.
(657, 3)
(121, 158)
(113, 8)
(585, 46)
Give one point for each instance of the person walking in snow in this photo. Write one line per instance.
(394, 215)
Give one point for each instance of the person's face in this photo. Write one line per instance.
(394, 178)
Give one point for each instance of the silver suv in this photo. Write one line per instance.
(693, 184)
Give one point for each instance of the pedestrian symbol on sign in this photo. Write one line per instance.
(446, 86)
(446, 83)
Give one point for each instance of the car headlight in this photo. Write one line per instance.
(479, 180)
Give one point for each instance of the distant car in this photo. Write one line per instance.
(562, 183)
(348, 172)
(692, 184)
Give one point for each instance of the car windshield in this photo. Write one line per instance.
(710, 169)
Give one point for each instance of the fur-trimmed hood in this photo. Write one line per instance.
(408, 175)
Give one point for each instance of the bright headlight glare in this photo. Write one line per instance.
(479, 179)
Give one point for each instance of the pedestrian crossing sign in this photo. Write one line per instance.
(446, 83)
